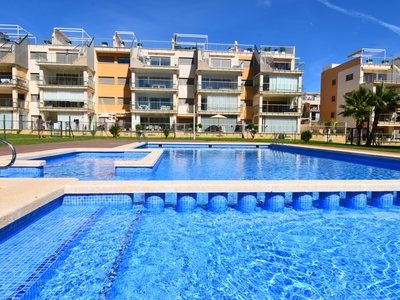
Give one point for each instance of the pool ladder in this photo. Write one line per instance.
(13, 154)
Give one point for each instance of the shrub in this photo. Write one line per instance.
(306, 135)
(115, 129)
(166, 132)
(138, 129)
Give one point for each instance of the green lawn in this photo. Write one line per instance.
(26, 139)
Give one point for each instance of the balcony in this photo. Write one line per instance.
(392, 119)
(206, 109)
(13, 81)
(268, 89)
(220, 86)
(6, 103)
(279, 109)
(65, 59)
(393, 78)
(65, 105)
(66, 81)
(271, 66)
(162, 85)
(12, 104)
(159, 63)
(228, 65)
(153, 107)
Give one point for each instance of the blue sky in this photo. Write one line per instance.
(323, 31)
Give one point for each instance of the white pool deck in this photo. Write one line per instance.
(20, 196)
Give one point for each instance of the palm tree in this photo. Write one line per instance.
(357, 106)
(383, 100)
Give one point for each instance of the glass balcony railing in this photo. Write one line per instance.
(220, 85)
(381, 77)
(390, 118)
(158, 61)
(11, 103)
(154, 83)
(153, 105)
(13, 81)
(280, 89)
(223, 109)
(60, 104)
(66, 81)
(61, 58)
(279, 108)
(6, 102)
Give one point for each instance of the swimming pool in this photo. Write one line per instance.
(218, 162)
(115, 249)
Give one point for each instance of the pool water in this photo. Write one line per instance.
(87, 165)
(124, 252)
(265, 164)
(227, 164)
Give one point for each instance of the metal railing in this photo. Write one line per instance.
(153, 83)
(13, 154)
(273, 49)
(279, 108)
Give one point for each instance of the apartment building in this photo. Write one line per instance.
(14, 86)
(366, 67)
(187, 83)
(278, 89)
(310, 103)
(113, 78)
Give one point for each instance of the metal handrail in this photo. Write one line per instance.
(13, 151)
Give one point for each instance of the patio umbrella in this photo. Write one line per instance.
(218, 117)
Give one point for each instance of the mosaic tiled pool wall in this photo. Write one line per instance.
(21, 172)
(243, 201)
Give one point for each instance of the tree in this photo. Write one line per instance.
(357, 106)
(252, 129)
(382, 100)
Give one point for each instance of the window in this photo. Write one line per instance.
(105, 59)
(34, 76)
(34, 97)
(333, 99)
(123, 60)
(332, 115)
(106, 80)
(349, 77)
(186, 61)
(333, 81)
(106, 100)
(123, 80)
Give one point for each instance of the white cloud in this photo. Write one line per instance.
(352, 13)
(266, 3)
